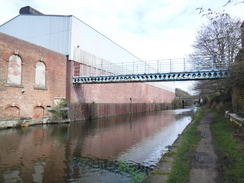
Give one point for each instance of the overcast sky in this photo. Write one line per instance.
(150, 29)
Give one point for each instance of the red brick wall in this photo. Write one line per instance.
(109, 99)
(33, 101)
(120, 93)
(117, 93)
(98, 100)
(80, 111)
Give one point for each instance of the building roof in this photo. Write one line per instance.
(65, 34)
(29, 10)
(70, 36)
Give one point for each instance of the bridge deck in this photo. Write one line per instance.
(201, 68)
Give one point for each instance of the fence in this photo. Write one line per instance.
(155, 66)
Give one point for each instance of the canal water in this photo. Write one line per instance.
(89, 151)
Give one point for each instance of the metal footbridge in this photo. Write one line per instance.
(197, 68)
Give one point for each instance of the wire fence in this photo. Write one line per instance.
(156, 66)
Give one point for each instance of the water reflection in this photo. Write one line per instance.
(86, 151)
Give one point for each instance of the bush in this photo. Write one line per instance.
(236, 75)
(177, 103)
(59, 113)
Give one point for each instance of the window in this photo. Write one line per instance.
(40, 78)
(14, 70)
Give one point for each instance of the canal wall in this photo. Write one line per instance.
(80, 111)
(18, 123)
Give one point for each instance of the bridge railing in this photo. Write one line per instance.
(156, 66)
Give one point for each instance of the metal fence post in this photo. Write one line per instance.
(157, 66)
(213, 60)
(101, 72)
(184, 64)
(145, 67)
(170, 65)
(133, 67)
(122, 68)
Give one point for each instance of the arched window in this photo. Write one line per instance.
(40, 79)
(14, 70)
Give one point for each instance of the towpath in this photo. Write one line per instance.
(204, 162)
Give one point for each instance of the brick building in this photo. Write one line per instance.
(32, 78)
(74, 44)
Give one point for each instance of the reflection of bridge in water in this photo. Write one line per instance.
(197, 68)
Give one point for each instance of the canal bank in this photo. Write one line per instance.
(216, 156)
(65, 113)
(164, 168)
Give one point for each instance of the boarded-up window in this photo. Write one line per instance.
(14, 70)
(40, 79)
(12, 112)
(38, 112)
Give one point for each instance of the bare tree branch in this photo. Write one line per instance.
(233, 1)
(220, 38)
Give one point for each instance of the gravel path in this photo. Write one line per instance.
(205, 162)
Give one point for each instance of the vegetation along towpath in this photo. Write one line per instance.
(209, 150)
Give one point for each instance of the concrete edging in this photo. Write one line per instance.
(17, 123)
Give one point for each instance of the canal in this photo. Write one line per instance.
(89, 151)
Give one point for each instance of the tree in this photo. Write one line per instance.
(219, 38)
(234, 1)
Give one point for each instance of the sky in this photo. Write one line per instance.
(149, 29)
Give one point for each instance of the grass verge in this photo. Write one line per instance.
(230, 149)
(180, 172)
